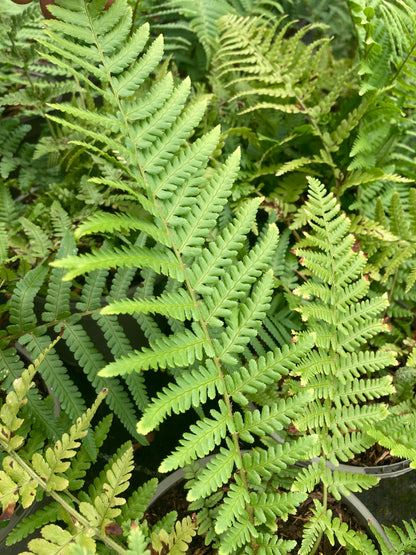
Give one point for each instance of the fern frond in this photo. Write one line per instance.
(266, 370)
(344, 403)
(202, 438)
(399, 538)
(179, 305)
(263, 464)
(21, 305)
(270, 420)
(31, 523)
(55, 375)
(175, 350)
(233, 508)
(53, 464)
(191, 389)
(109, 223)
(125, 257)
(179, 539)
(92, 362)
(217, 472)
(113, 480)
(242, 324)
(56, 538)
(137, 503)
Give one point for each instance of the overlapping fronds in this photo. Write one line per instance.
(191, 28)
(268, 65)
(29, 84)
(387, 79)
(217, 284)
(59, 469)
(388, 239)
(32, 315)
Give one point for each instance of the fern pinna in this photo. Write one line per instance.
(346, 378)
(213, 290)
(89, 522)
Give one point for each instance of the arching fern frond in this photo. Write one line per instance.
(215, 285)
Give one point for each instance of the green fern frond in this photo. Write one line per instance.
(191, 389)
(55, 375)
(175, 350)
(22, 314)
(261, 464)
(109, 223)
(179, 305)
(129, 257)
(335, 307)
(138, 501)
(213, 288)
(266, 370)
(92, 362)
(28, 525)
(217, 472)
(269, 507)
(242, 324)
(202, 438)
(270, 419)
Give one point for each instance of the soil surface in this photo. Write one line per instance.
(174, 500)
(375, 456)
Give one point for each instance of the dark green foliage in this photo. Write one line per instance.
(97, 511)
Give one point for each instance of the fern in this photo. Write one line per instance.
(218, 289)
(345, 404)
(51, 470)
(208, 302)
(269, 68)
(191, 28)
(32, 335)
(388, 241)
(387, 74)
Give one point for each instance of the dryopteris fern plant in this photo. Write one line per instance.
(88, 522)
(345, 377)
(215, 289)
(269, 66)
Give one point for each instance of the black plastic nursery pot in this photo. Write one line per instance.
(393, 500)
(356, 506)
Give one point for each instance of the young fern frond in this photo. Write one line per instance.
(345, 400)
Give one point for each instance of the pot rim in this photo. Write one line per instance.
(363, 514)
